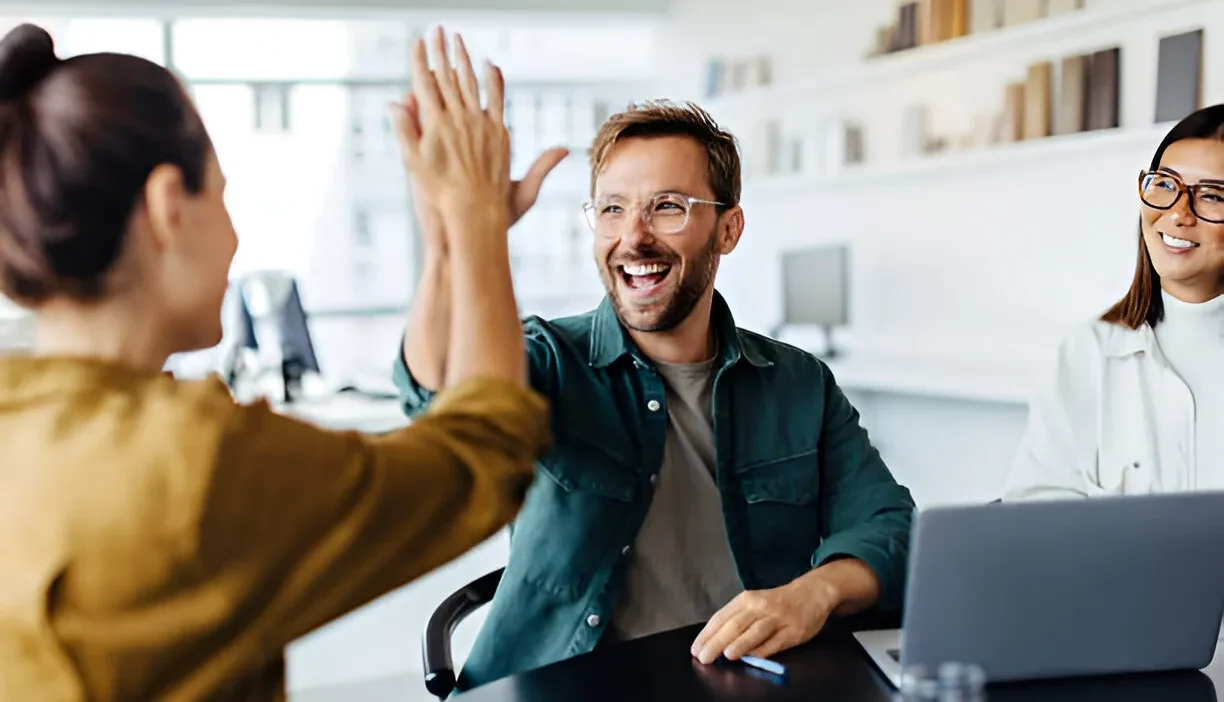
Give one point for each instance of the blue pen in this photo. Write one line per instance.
(764, 664)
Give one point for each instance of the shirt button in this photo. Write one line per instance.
(625, 551)
(653, 405)
(593, 621)
(654, 478)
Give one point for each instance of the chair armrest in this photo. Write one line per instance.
(436, 642)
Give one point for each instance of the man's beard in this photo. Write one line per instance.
(698, 276)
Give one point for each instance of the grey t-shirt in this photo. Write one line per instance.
(681, 571)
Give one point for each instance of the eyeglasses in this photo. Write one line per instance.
(1160, 190)
(665, 213)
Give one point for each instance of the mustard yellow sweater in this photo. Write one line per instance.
(160, 541)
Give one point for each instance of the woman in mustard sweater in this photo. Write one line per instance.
(158, 540)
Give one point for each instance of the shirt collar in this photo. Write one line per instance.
(610, 341)
(1123, 341)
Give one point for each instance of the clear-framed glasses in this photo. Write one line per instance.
(1161, 190)
(663, 214)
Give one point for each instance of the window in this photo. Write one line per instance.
(298, 110)
(84, 35)
(371, 123)
(289, 49)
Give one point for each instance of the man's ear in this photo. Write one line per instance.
(164, 202)
(730, 229)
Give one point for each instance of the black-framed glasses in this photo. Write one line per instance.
(1161, 190)
(663, 214)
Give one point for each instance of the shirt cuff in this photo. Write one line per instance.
(885, 556)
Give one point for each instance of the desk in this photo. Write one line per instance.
(833, 668)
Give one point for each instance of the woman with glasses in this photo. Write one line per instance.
(1135, 403)
(159, 541)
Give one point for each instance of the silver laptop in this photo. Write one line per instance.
(1066, 588)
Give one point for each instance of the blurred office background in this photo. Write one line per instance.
(936, 190)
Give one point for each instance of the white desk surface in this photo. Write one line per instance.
(973, 380)
(1002, 382)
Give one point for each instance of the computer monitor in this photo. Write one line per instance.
(276, 322)
(815, 289)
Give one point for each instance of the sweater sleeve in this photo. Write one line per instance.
(307, 524)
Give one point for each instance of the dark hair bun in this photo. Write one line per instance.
(27, 55)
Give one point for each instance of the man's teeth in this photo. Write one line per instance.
(647, 269)
(1177, 243)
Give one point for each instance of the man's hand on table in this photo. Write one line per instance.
(764, 622)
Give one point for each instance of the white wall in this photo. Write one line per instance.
(981, 258)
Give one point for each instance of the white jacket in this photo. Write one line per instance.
(1110, 418)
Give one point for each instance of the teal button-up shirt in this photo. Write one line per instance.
(800, 482)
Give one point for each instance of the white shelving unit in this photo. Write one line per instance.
(1003, 248)
(962, 163)
(961, 80)
(1044, 34)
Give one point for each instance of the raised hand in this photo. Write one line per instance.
(457, 151)
(523, 193)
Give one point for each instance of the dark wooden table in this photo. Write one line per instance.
(830, 669)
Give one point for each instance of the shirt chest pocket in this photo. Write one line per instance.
(1137, 446)
(574, 520)
(782, 513)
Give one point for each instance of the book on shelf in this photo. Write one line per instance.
(948, 19)
(1022, 11)
(958, 18)
(1179, 76)
(843, 147)
(907, 21)
(1038, 90)
(883, 40)
(926, 33)
(716, 78)
(1103, 89)
(985, 16)
(1072, 111)
(1013, 113)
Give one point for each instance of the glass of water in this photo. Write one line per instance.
(950, 682)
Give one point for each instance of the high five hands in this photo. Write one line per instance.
(451, 92)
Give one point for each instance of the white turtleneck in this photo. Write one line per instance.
(1191, 336)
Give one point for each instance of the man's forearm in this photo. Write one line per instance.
(850, 584)
(427, 338)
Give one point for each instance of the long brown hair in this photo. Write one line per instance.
(1143, 303)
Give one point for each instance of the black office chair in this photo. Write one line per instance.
(436, 642)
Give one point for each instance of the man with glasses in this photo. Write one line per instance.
(700, 472)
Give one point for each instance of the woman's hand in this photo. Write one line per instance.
(457, 151)
(522, 194)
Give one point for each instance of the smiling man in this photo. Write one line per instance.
(701, 473)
